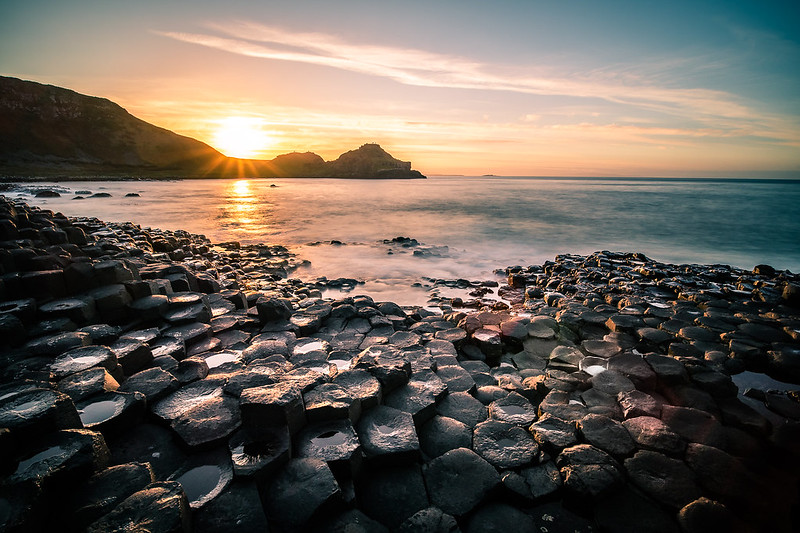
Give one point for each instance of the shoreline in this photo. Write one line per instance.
(120, 342)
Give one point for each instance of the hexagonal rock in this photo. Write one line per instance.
(208, 423)
(388, 364)
(334, 441)
(161, 506)
(87, 382)
(514, 409)
(459, 480)
(272, 309)
(392, 495)
(259, 452)
(280, 404)
(722, 475)
(105, 490)
(500, 518)
(456, 336)
(83, 358)
(456, 378)
(79, 310)
(204, 476)
(388, 436)
(488, 341)
(694, 425)
(503, 444)
(651, 433)
(432, 520)
(629, 511)
(133, 355)
(62, 457)
(554, 434)
(542, 480)
(352, 521)
(33, 412)
(464, 408)
(362, 386)
(184, 399)
(624, 323)
(588, 472)
(606, 434)
(704, 515)
(637, 403)
(602, 349)
(303, 489)
(330, 401)
(442, 434)
(239, 504)
(635, 368)
(415, 397)
(612, 382)
(154, 383)
(111, 411)
(667, 480)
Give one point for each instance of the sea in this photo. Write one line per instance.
(458, 227)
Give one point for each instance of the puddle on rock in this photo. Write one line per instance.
(39, 457)
(309, 347)
(341, 364)
(221, 358)
(200, 481)
(385, 430)
(28, 405)
(98, 412)
(329, 438)
(594, 370)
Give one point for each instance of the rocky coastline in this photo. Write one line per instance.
(153, 380)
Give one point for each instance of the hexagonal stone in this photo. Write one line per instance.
(606, 434)
(602, 349)
(431, 519)
(669, 481)
(34, 412)
(333, 441)
(442, 434)
(694, 425)
(456, 378)
(61, 457)
(459, 480)
(499, 518)
(391, 495)
(330, 401)
(204, 477)
(208, 423)
(637, 403)
(301, 491)
(388, 364)
(362, 386)
(161, 506)
(707, 515)
(513, 408)
(651, 433)
(188, 396)
(388, 436)
(111, 411)
(353, 521)
(83, 358)
(280, 404)
(588, 472)
(503, 444)
(635, 368)
(239, 504)
(259, 452)
(154, 383)
(464, 408)
(554, 434)
(542, 480)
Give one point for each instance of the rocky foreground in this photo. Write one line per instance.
(155, 382)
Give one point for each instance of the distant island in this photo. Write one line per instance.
(54, 133)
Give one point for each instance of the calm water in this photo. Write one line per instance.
(486, 222)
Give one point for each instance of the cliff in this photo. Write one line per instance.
(50, 131)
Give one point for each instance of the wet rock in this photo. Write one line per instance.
(542, 480)
(432, 520)
(362, 386)
(503, 444)
(154, 383)
(513, 408)
(329, 401)
(634, 368)
(720, 474)
(388, 436)
(353, 521)
(637, 403)
(418, 396)
(335, 442)
(588, 472)
(392, 495)
(259, 452)
(387, 364)
(111, 412)
(52, 345)
(204, 477)
(106, 489)
(133, 355)
(95, 380)
(464, 408)
(147, 443)
(459, 480)
(280, 404)
(606, 434)
(78, 359)
(79, 310)
(651, 433)
(669, 481)
(34, 412)
(161, 506)
(704, 515)
(209, 422)
(191, 369)
(302, 490)
(694, 425)
(742, 416)
(499, 517)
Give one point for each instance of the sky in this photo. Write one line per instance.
(550, 88)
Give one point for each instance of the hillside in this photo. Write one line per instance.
(50, 131)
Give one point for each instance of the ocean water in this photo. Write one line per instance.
(466, 226)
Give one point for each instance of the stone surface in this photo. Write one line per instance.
(388, 436)
(302, 490)
(503, 444)
(669, 481)
(391, 495)
(161, 506)
(459, 480)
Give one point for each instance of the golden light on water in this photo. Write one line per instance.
(242, 203)
(241, 137)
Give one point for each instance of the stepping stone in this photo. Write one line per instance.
(112, 412)
(612, 382)
(588, 472)
(503, 444)
(651, 433)
(634, 368)
(302, 490)
(669, 481)
(606, 434)
(94, 380)
(362, 385)
(259, 452)
(188, 396)
(464, 408)
(388, 436)
(456, 379)
(209, 422)
(500, 518)
(387, 364)
(637, 403)
(239, 504)
(599, 348)
(554, 434)
(432, 520)
(204, 477)
(391, 495)
(542, 480)
(513, 408)
(329, 401)
(161, 506)
(335, 442)
(442, 434)
(133, 355)
(33, 412)
(694, 425)
(280, 404)
(83, 358)
(704, 515)
(459, 480)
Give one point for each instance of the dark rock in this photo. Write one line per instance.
(259, 452)
(651, 433)
(362, 386)
(352, 521)
(636, 403)
(669, 481)
(464, 408)
(95, 380)
(161, 506)
(239, 504)
(542, 480)
(388, 436)
(83, 358)
(329, 401)
(703, 515)
(111, 412)
(431, 520)
(303, 489)
(588, 472)
(280, 404)
(392, 495)
(459, 480)
(694, 425)
(499, 518)
(626, 511)
(333, 441)
(204, 477)
(208, 422)
(442, 434)
(513, 408)
(456, 379)
(154, 383)
(388, 364)
(133, 355)
(34, 412)
(147, 443)
(612, 382)
(503, 444)
(606, 434)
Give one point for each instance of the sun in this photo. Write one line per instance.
(241, 137)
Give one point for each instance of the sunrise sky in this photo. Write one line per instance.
(667, 88)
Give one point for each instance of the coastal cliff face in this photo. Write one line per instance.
(48, 130)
